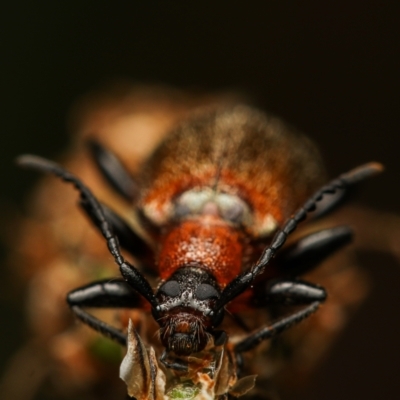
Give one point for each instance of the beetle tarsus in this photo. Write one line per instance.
(275, 329)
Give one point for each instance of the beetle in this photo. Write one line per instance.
(217, 190)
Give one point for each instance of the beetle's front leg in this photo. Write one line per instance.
(285, 292)
(311, 250)
(103, 294)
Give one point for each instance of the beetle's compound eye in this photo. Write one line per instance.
(171, 288)
(205, 291)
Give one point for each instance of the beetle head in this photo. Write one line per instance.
(186, 300)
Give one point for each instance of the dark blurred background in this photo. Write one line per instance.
(330, 68)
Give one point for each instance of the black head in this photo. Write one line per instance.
(186, 300)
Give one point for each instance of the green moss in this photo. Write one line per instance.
(185, 391)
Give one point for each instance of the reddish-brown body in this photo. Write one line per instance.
(207, 241)
(219, 183)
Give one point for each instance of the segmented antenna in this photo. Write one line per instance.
(128, 271)
(343, 182)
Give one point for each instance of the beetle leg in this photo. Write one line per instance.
(128, 238)
(294, 292)
(309, 251)
(131, 274)
(287, 292)
(275, 329)
(103, 294)
(113, 171)
(245, 279)
(99, 326)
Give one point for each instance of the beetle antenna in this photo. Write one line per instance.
(343, 182)
(132, 275)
